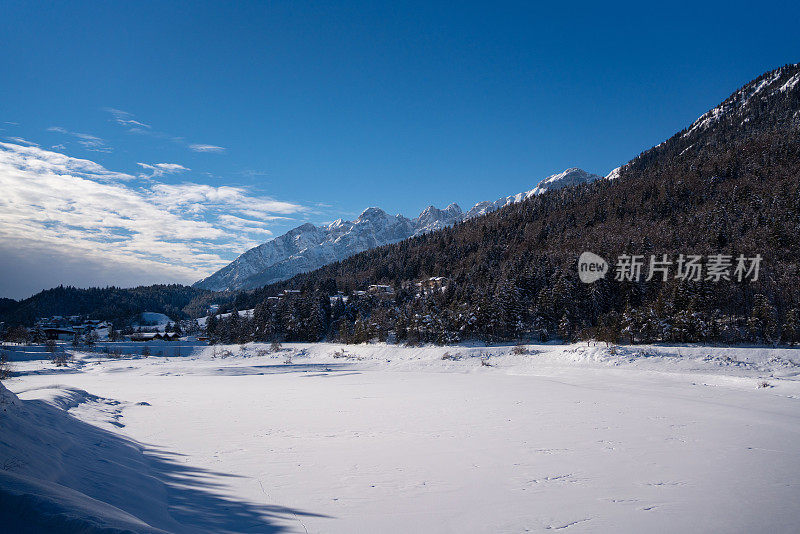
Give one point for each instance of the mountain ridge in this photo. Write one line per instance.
(308, 247)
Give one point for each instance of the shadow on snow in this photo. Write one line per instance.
(56, 468)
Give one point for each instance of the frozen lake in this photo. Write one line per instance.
(388, 439)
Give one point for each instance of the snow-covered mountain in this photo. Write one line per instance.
(567, 178)
(762, 88)
(767, 103)
(309, 247)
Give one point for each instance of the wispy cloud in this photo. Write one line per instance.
(160, 169)
(88, 141)
(206, 148)
(21, 141)
(52, 202)
(126, 119)
(251, 173)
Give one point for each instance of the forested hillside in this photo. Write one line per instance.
(109, 303)
(728, 185)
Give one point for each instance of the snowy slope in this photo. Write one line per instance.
(309, 247)
(54, 479)
(154, 320)
(740, 103)
(767, 103)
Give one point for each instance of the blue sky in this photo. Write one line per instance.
(237, 122)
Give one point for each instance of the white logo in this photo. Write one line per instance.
(591, 267)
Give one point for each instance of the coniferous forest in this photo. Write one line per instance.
(729, 184)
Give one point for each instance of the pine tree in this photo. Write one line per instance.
(565, 329)
(791, 327)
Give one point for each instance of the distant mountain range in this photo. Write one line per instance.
(310, 247)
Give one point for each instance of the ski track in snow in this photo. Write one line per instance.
(382, 438)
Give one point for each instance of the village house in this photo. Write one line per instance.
(151, 336)
(339, 297)
(381, 290)
(60, 334)
(428, 285)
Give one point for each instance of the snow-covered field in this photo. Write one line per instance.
(377, 438)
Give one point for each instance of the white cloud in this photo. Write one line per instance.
(178, 196)
(77, 208)
(239, 224)
(206, 148)
(38, 160)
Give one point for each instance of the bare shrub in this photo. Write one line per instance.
(764, 384)
(275, 346)
(341, 353)
(5, 367)
(262, 352)
(90, 340)
(519, 349)
(60, 358)
(288, 360)
(146, 351)
(453, 357)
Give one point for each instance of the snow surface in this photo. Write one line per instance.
(614, 174)
(154, 320)
(790, 83)
(380, 438)
(309, 247)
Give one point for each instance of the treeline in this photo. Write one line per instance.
(729, 188)
(520, 310)
(119, 305)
